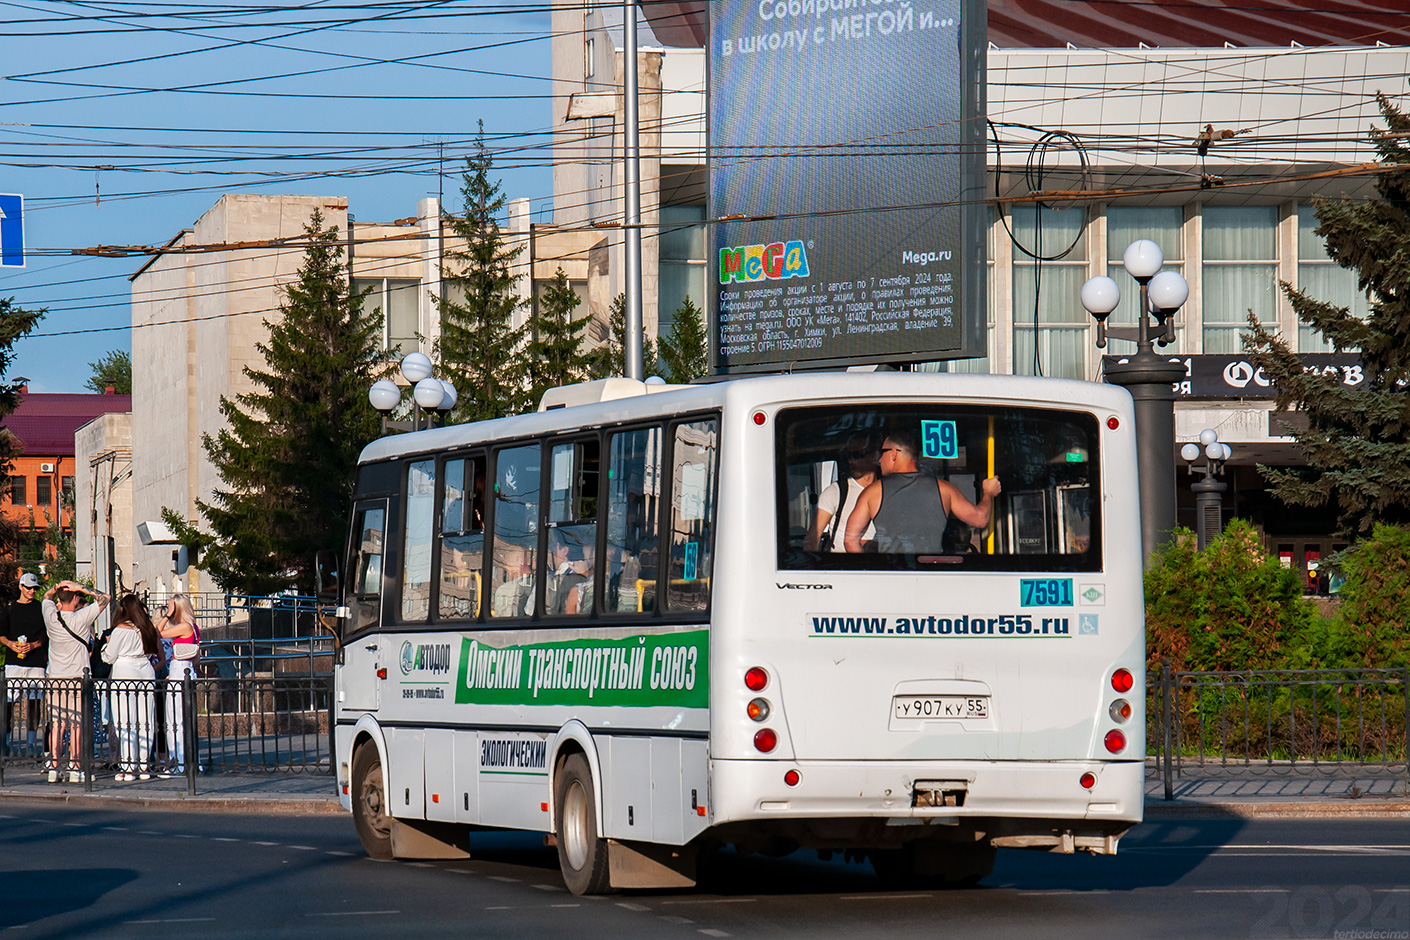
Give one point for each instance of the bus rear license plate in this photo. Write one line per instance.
(932, 707)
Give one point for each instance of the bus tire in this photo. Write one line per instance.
(369, 803)
(582, 852)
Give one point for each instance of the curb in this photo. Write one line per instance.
(276, 806)
(1289, 809)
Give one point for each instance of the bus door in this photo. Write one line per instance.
(362, 631)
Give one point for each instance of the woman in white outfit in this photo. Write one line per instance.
(178, 625)
(134, 647)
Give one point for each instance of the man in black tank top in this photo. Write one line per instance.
(909, 509)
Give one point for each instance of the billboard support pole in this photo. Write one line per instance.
(631, 223)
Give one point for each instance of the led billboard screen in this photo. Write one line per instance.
(846, 181)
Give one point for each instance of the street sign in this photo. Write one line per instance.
(11, 231)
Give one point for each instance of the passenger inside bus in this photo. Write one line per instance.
(858, 463)
(514, 569)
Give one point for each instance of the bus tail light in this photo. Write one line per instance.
(758, 709)
(1087, 780)
(1115, 741)
(1121, 711)
(765, 740)
(756, 678)
(1122, 681)
(792, 778)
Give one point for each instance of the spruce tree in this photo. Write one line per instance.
(1357, 442)
(480, 348)
(290, 448)
(555, 352)
(15, 322)
(112, 371)
(610, 358)
(683, 349)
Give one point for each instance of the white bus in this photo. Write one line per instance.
(618, 622)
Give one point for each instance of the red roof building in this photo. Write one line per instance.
(41, 480)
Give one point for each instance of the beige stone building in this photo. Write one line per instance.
(102, 519)
(200, 307)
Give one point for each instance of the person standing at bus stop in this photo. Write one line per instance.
(908, 508)
(27, 656)
(69, 626)
(178, 625)
(860, 458)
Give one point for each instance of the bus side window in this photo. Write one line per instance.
(367, 563)
(516, 524)
(419, 519)
(693, 466)
(462, 549)
(572, 536)
(633, 518)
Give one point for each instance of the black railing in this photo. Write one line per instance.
(1332, 722)
(85, 728)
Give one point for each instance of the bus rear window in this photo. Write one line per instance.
(938, 487)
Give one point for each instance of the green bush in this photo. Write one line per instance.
(1372, 626)
(1229, 607)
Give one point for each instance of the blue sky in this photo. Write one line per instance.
(122, 124)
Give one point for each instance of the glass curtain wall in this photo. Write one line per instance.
(1050, 328)
(1321, 278)
(1240, 273)
(1124, 225)
(681, 253)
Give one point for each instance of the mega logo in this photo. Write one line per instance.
(424, 657)
(775, 262)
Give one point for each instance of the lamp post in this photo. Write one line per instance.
(1208, 489)
(428, 393)
(1150, 378)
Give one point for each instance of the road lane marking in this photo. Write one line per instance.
(673, 919)
(304, 848)
(223, 839)
(185, 835)
(628, 905)
(547, 887)
(264, 843)
(503, 878)
(712, 901)
(173, 920)
(712, 932)
(114, 828)
(883, 897)
(344, 854)
(347, 913)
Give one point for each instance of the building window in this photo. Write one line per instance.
(590, 57)
(397, 300)
(582, 310)
(1124, 225)
(18, 494)
(67, 490)
(1321, 278)
(43, 490)
(1240, 273)
(1049, 325)
(681, 250)
(980, 365)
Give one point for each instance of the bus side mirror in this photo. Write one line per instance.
(326, 574)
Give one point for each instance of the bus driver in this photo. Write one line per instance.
(908, 508)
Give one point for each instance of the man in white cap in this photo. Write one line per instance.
(70, 629)
(22, 633)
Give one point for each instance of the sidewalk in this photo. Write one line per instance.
(280, 792)
(305, 794)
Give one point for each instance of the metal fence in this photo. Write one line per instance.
(257, 705)
(1329, 722)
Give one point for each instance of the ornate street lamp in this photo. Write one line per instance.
(1150, 378)
(428, 393)
(1209, 489)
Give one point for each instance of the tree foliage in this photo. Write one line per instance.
(288, 454)
(555, 350)
(15, 322)
(480, 348)
(115, 370)
(1372, 625)
(683, 350)
(610, 358)
(1357, 442)
(1231, 606)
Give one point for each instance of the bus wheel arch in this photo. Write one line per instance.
(368, 789)
(575, 738)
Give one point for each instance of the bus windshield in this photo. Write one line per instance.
(911, 479)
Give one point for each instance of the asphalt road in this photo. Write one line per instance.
(68, 871)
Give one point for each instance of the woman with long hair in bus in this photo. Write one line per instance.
(134, 648)
(178, 625)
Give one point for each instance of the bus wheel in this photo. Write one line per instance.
(369, 803)
(582, 852)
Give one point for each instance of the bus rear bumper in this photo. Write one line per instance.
(910, 793)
